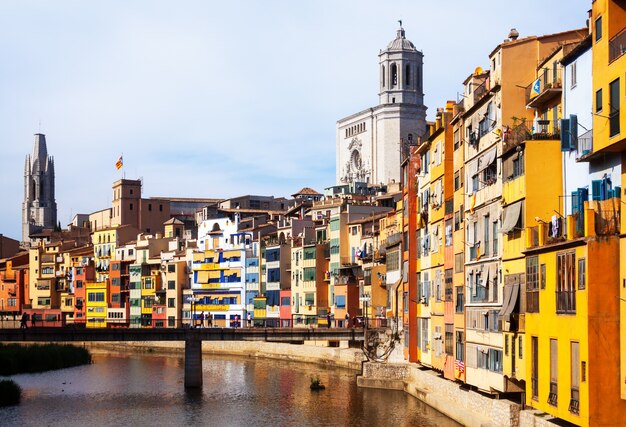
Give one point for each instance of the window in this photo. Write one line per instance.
(457, 181)
(598, 100)
(458, 262)
(460, 300)
(542, 277)
(532, 284)
(449, 340)
(150, 206)
(598, 28)
(565, 290)
(422, 335)
(171, 268)
(171, 284)
(534, 347)
(460, 349)
(394, 75)
(95, 297)
(340, 301)
(486, 230)
(171, 302)
(575, 378)
(572, 68)
(474, 183)
(519, 352)
(449, 232)
(581, 273)
(160, 208)
(554, 372)
(494, 226)
(131, 207)
(457, 220)
(614, 108)
(407, 73)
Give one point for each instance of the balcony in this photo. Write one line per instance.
(546, 130)
(584, 145)
(545, 89)
(481, 91)
(617, 45)
(392, 240)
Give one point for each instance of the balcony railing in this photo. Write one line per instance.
(481, 90)
(565, 301)
(617, 45)
(545, 129)
(549, 87)
(585, 144)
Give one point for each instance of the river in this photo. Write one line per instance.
(147, 389)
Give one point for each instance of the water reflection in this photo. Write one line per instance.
(131, 389)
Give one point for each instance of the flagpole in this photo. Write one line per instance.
(123, 170)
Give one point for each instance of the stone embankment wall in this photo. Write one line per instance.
(349, 358)
(464, 406)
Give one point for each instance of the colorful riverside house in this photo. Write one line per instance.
(145, 279)
(277, 262)
(532, 185)
(219, 272)
(119, 291)
(494, 108)
(13, 284)
(175, 280)
(96, 304)
(84, 272)
(608, 23)
(458, 242)
(74, 261)
(104, 243)
(46, 282)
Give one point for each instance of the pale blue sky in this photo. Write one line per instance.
(217, 99)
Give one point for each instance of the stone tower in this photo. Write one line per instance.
(371, 144)
(39, 209)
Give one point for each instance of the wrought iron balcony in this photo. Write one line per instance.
(617, 45)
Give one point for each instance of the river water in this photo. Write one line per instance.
(147, 389)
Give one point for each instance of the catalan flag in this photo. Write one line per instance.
(119, 163)
(473, 203)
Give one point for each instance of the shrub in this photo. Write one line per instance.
(10, 393)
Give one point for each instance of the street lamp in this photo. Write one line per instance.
(365, 299)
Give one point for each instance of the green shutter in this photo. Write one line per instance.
(565, 135)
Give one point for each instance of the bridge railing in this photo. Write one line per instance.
(295, 322)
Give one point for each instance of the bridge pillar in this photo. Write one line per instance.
(193, 362)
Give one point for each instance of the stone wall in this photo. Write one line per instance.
(466, 407)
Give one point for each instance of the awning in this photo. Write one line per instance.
(486, 159)
(511, 293)
(511, 216)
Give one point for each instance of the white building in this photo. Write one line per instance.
(370, 143)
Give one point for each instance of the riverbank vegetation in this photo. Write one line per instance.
(19, 359)
(10, 393)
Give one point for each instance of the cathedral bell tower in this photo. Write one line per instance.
(39, 209)
(400, 72)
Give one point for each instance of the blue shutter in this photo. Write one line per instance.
(573, 131)
(565, 134)
(596, 189)
(617, 191)
(576, 202)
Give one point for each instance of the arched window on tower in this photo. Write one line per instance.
(394, 75)
(407, 73)
(383, 75)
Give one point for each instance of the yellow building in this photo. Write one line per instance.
(572, 321)
(96, 304)
(608, 25)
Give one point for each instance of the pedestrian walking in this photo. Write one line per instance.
(328, 319)
(249, 320)
(23, 324)
(210, 320)
(347, 319)
(236, 320)
(201, 319)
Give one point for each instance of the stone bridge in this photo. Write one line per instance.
(192, 337)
